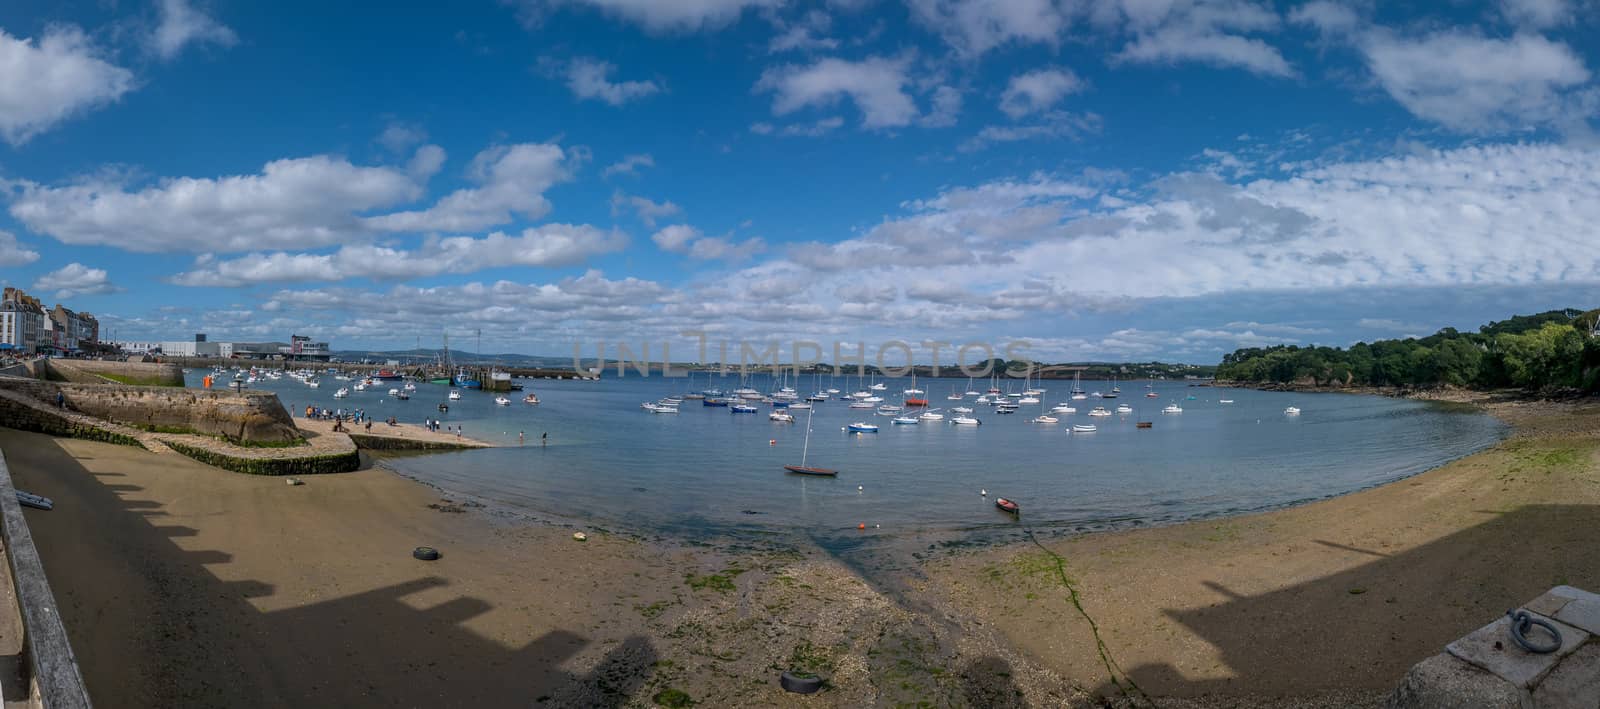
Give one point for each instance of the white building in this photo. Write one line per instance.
(23, 322)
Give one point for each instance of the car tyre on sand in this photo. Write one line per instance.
(425, 553)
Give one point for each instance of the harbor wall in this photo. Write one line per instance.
(92, 371)
(242, 417)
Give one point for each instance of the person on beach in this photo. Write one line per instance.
(520, 438)
(369, 426)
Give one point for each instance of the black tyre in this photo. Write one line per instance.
(800, 684)
(425, 554)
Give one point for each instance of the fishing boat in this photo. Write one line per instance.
(802, 468)
(1292, 411)
(781, 417)
(1084, 428)
(1044, 419)
(905, 421)
(502, 401)
(531, 399)
(455, 394)
(741, 409)
(862, 427)
(1007, 505)
(1172, 409)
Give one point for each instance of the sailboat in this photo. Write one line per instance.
(1077, 386)
(915, 396)
(802, 468)
(1115, 390)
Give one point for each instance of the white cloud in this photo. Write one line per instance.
(974, 27)
(13, 252)
(511, 181)
(1038, 90)
(1054, 125)
(46, 81)
(805, 35)
(1537, 14)
(656, 15)
(1329, 17)
(291, 203)
(182, 25)
(1205, 31)
(946, 108)
(876, 85)
(629, 165)
(685, 239)
(75, 279)
(398, 137)
(1475, 84)
(647, 209)
(590, 79)
(820, 127)
(548, 245)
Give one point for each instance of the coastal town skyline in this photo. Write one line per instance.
(1119, 181)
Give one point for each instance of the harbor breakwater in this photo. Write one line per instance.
(246, 418)
(92, 371)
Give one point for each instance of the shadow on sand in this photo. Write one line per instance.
(372, 648)
(1388, 613)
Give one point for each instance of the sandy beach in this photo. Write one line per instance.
(185, 585)
(403, 431)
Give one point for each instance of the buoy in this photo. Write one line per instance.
(860, 487)
(772, 441)
(877, 526)
(984, 493)
(862, 526)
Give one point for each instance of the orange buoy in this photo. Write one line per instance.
(863, 526)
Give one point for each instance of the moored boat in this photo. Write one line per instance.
(1292, 411)
(1084, 428)
(1007, 505)
(530, 399)
(1172, 409)
(862, 427)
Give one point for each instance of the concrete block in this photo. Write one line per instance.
(1574, 683)
(1492, 649)
(1581, 613)
(1444, 682)
(1548, 605)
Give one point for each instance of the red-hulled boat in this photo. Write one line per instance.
(1007, 505)
(916, 402)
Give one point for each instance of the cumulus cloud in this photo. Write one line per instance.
(687, 240)
(294, 203)
(399, 137)
(182, 25)
(1476, 84)
(511, 181)
(629, 165)
(1207, 31)
(13, 252)
(974, 27)
(1052, 125)
(548, 246)
(47, 80)
(646, 209)
(1537, 14)
(653, 15)
(590, 79)
(75, 279)
(877, 86)
(805, 35)
(1038, 90)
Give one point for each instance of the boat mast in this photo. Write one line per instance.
(807, 447)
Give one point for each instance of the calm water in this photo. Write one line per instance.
(610, 462)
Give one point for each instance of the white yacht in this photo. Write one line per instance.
(1172, 409)
(1292, 411)
(455, 394)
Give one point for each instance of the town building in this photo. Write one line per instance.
(23, 321)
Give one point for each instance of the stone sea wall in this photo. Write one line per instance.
(242, 417)
(90, 371)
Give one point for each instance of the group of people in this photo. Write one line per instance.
(354, 416)
(434, 424)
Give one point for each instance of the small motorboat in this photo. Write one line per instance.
(781, 417)
(1044, 419)
(741, 409)
(713, 401)
(531, 399)
(392, 392)
(860, 405)
(1084, 428)
(403, 396)
(1099, 411)
(931, 416)
(1292, 411)
(502, 401)
(801, 405)
(889, 409)
(661, 409)
(1172, 409)
(1144, 424)
(1007, 505)
(1063, 409)
(444, 407)
(1224, 401)
(341, 393)
(862, 427)
(905, 421)
(965, 421)
(961, 410)
(1150, 395)
(455, 394)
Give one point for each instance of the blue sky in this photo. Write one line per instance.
(1128, 179)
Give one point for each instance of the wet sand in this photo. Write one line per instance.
(403, 431)
(185, 585)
